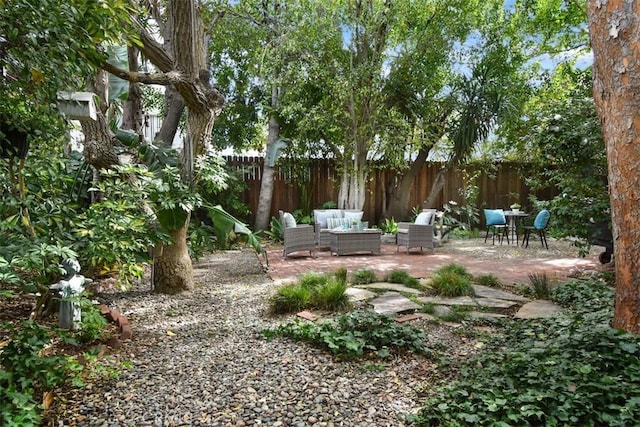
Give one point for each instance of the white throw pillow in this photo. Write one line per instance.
(349, 216)
(321, 218)
(334, 223)
(289, 220)
(423, 218)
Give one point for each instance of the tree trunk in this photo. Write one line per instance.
(399, 195)
(174, 106)
(173, 271)
(132, 109)
(268, 170)
(614, 27)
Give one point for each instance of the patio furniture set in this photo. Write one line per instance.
(503, 225)
(342, 232)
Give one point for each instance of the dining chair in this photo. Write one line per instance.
(496, 224)
(539, 226)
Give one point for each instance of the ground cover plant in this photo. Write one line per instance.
(319, 291)
(356, 334)
(573, 369)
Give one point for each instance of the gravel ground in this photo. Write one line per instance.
(200, 359)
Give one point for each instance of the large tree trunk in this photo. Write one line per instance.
(173, 271)
(615, 37)
(268, 170)
(398, 196)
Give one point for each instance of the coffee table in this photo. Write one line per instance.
(343, 242)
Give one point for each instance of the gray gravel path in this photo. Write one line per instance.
(200, 359)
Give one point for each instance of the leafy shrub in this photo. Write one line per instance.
(356, 335)
(567, 370)
(488, 280)
(389, 226)
(452, 280)
(93, 323)
(363, 277)
(25, 374)
(402, 277)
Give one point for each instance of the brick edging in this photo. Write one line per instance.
(114, 315)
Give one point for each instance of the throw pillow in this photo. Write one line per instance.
(321, 218)
(289, 220)
(334, 223)
(423, 218)
(349, 216)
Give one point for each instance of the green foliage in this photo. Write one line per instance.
(320, 291)
(566, 151)
(541, 285)
(93, 324)
(402, 277)
(227, 226)
(341, 275)
(567, 370)
(25, 374)
(452, 280)
(389, 226)
(356, 334)
(329, 204)
(363, 277)
(490, 280)
(276, 230)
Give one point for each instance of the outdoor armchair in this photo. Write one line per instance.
(496, 224)
(418, 234)
(539, 226)
(297, 237)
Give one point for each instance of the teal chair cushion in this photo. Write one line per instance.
(494, 217)
(540, 223)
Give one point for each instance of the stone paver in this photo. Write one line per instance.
(357, 294)
(391, 287)
(392, 303)
(447, 301)
(489, 292)
(538, 309)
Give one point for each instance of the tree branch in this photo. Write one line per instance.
(163, 79)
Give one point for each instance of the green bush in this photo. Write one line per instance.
(356, 334)
(331, 296)
(402, 277)
(25, 374)
(452, 280)
(363, 277)
(567, 370)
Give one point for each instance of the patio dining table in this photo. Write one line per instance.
(512, 220)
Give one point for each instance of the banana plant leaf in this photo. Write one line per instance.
(224, 223)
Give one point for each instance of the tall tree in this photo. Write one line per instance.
(181, 65)
(614, 28)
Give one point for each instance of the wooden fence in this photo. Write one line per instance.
(504, 186)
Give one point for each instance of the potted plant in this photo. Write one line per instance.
(516, 207)
(389, 230)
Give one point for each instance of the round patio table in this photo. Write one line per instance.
(513, 218)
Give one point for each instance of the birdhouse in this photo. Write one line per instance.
(77, 105)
